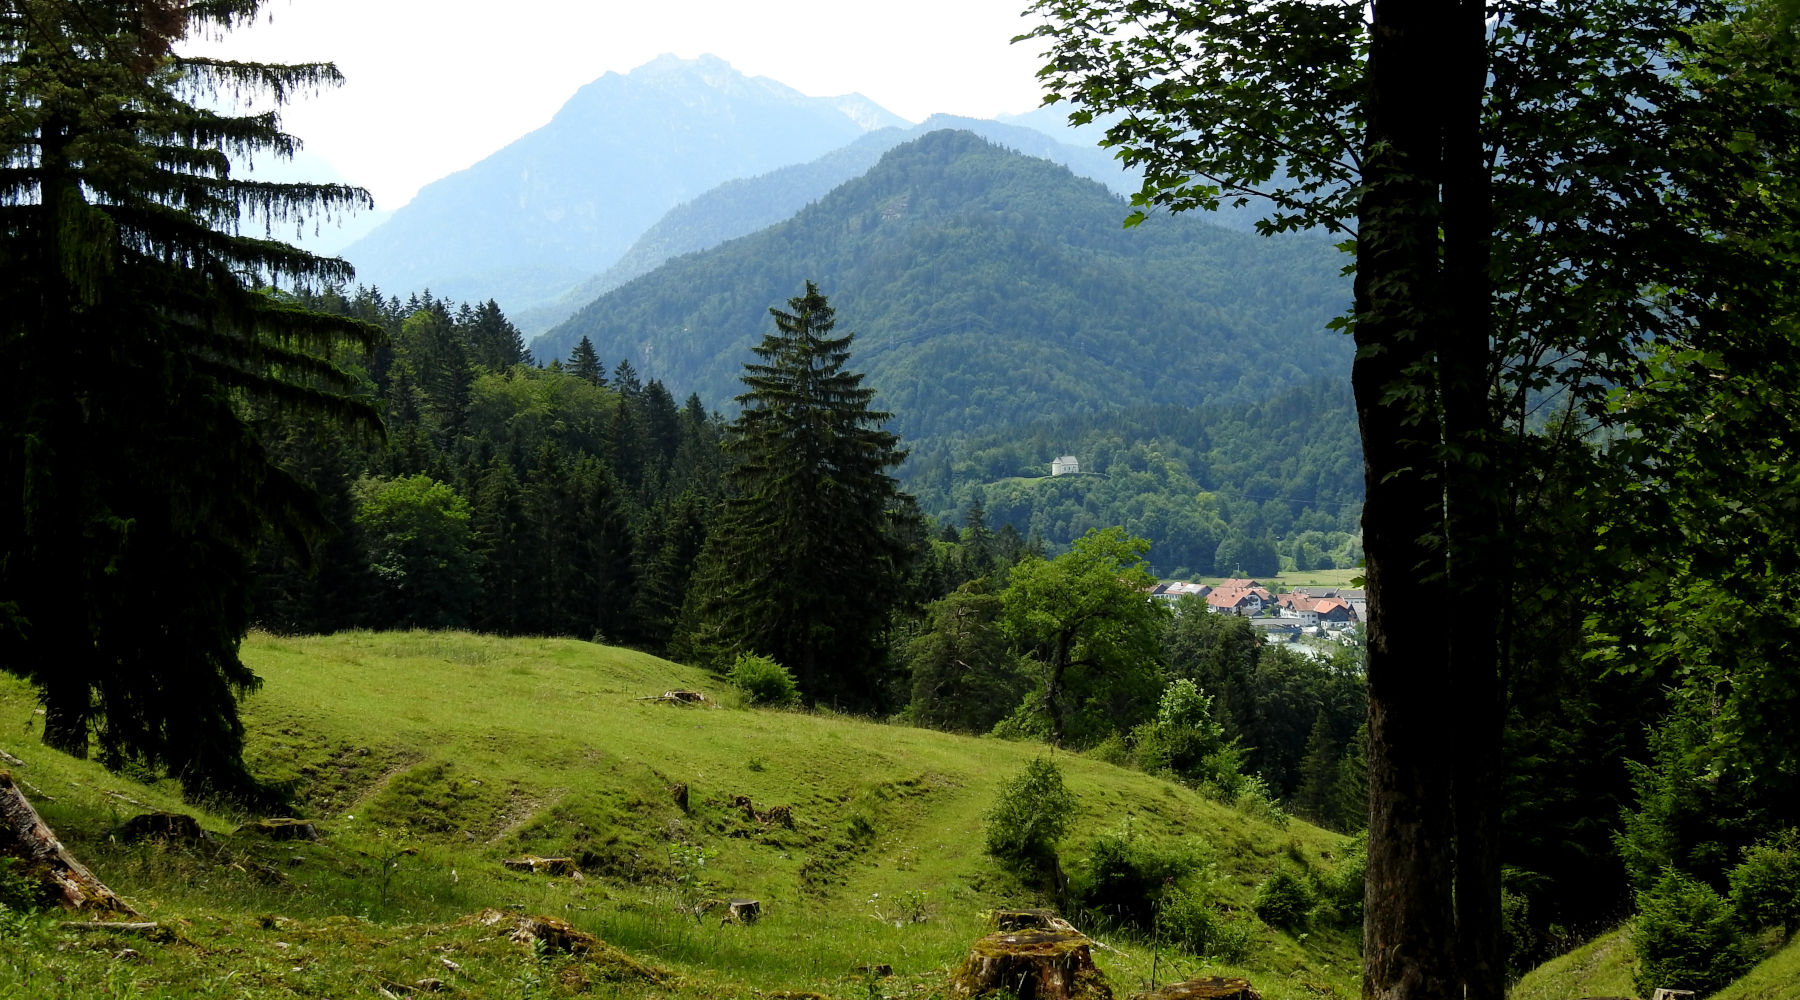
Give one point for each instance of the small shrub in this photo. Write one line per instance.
(19, 892)
(1111, 750)
(1283, 899)
(1255, 800)
(763, 681)
(1029, 817)
(1765, 887)
(1188, 922)
(1340, 890)
(1124, 878)
(1687, 938)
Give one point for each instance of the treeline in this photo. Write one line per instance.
(1263, 487)
(565, 500)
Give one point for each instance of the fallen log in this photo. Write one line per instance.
(24, 835)
(149, 929)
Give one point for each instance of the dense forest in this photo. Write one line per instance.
(1261, 486)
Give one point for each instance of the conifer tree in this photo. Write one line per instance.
(803, 564)
(584, 362)
(136, 319)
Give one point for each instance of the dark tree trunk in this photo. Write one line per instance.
(1477, 561)
(1420, 383)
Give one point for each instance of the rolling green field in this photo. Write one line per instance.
(428, 758)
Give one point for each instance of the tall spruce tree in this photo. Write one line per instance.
(584, 361)
(136, 321)
(803, 564)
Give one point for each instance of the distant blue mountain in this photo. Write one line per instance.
(564, 202)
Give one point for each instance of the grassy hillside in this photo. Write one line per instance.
(1604, 968)
(427, 758)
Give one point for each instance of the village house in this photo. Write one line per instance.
(1239, 597)
(1065, 466)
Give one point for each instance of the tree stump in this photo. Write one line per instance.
(742, 911)
(24, 835)
(1029, 920)
(531, 863)
(1032, 965)
(162, 826)
(1204, 988)
(282, 829)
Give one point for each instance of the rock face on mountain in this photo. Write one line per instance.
(562, 203)
(989, 288)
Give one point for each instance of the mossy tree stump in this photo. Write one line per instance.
(1033, 965)
(1205, 988)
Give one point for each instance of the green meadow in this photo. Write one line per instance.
(428, 759)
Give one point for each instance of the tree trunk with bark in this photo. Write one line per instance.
(24, 835)
(1420, 379)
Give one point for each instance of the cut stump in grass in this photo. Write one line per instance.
(552, 935)
(164, 826)
(1032, 965)
(1030, 920)
(742, 911)
(281, 829)
(531, 863)
(1204, 988)
(25, 835)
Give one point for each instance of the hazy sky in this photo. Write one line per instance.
(432, 87)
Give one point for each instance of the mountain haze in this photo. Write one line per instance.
(744, 205)
(563, 202)
(990, 288)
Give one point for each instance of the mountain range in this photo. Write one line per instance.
(990, 288)
(563, 202)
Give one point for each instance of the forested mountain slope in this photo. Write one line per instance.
(563, 202)
(744, 205)
(1213, 487)
(989, 289)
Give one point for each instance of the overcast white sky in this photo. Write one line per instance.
(435, 86)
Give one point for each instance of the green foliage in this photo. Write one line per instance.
(1126, 879)
(1765, 886)
(1340, 888)
(1687, 937)
(808, 559)
(763, 681)
(1089, 632)
(19, 892)
(1184, 741)
(1029, 818)
(964, 675)
(1272, 701)
(140, 323)
(1286, 463)
(415, 531)
(1283, 899)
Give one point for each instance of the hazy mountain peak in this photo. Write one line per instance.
(565, 201)
(867, 113)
